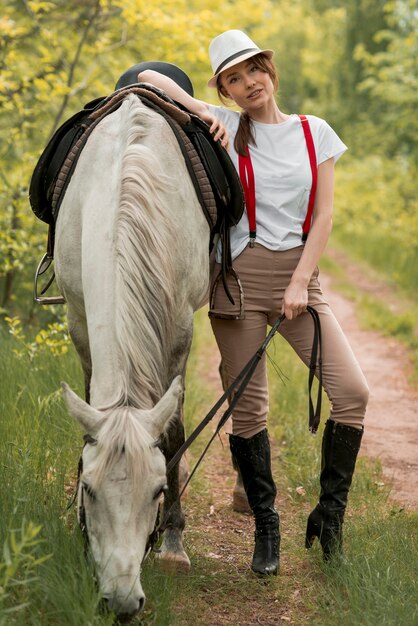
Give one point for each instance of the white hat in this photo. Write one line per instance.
(230, 48)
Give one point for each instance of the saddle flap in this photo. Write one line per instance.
(214, 169)
(49, 165)
(222, 174)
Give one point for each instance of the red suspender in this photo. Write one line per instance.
(312, 160)
(246, 174)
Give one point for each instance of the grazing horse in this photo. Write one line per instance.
(131, 260)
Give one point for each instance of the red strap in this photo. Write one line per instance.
(246, 174)
(312, 160)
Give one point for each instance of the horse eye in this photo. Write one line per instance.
(89, 491)
(160, 491)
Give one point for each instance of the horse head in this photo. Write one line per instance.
(122, 478)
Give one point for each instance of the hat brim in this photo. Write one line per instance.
(247, 55)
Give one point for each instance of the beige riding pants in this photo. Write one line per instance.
(264, 275)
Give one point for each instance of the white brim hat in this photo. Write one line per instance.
(230, 48)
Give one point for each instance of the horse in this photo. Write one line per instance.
(132, 262)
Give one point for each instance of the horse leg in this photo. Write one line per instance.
(172, 554)
(239, 497)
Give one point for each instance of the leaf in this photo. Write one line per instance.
(6, 553)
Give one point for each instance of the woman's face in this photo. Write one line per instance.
(247, 85)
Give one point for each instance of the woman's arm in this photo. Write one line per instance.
(295, 299)
(195, 106)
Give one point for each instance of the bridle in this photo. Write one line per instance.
(79, 495)
(232, 394)
(81, 509)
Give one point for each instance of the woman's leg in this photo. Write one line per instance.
(238, 340)
(348, 392)
(342, 377)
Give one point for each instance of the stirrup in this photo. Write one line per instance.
(219, 314)
(43, 266)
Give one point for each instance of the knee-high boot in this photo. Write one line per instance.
(340, 446)
(254, 461)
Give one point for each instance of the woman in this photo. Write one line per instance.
(277, 265)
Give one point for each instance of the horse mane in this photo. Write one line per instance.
(121, 433)
(145, 267)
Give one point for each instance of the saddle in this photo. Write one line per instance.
(212, 172)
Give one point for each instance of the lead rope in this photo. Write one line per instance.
(242, 380)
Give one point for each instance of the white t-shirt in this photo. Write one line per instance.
(283, 177)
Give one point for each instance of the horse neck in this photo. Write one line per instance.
(145, 266)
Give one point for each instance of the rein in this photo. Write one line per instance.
(81, 511)
(240, 383)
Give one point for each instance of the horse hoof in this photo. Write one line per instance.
(177, 562)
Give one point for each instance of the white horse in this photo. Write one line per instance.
(131, 259)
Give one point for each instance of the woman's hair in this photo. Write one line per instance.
(245, 134)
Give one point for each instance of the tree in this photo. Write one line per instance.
(390, 80)
(54, 57)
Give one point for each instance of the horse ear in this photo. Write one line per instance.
(85, 414)
(165, 409)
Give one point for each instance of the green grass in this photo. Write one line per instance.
(377, 583)
(39, 449)
(386, 255)
(40, 445)
(376, 216)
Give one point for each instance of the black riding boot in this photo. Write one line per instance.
(253, 459)
(340, 446)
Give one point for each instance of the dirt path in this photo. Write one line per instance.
(391, 427)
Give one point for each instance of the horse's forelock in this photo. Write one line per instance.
(121, 433)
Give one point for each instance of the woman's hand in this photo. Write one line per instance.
(198, 107)
(295, 300)
(217, 129)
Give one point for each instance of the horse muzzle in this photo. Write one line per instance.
(127, 607)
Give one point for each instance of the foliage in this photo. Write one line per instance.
(19, 565)
(39, 447)
(55, 56)
(353, 63)
(390, 80)
(376, 215)
(55, 339)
